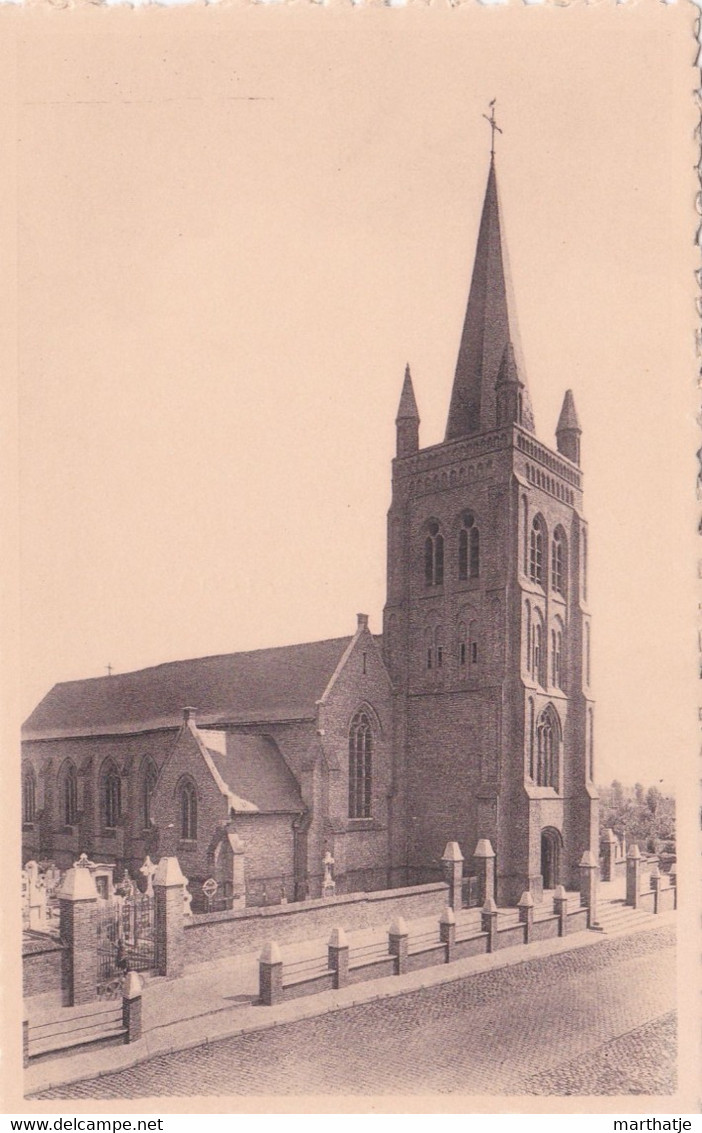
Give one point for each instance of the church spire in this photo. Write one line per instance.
(486, 329)
(407, 420)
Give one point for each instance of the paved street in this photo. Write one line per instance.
(595, 1020)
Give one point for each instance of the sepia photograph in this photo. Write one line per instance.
(355, 754)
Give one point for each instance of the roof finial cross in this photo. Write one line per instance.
(493, 125)
(109, 670)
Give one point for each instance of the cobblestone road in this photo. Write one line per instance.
(591, 1020)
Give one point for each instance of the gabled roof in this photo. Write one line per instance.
(275, 684)
(254, 769)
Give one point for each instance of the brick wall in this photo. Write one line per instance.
(222, 934)
(42, 967)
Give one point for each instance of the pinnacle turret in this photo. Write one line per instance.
(407, 420)
(568, 429)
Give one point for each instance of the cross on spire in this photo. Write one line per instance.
(109, 670)
(493, 125)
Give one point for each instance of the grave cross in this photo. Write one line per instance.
(148, 869)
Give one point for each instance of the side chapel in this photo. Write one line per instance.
(470, 717)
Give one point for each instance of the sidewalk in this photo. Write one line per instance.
(218, 999)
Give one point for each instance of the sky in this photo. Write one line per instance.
(232, 235)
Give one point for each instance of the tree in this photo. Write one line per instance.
(653, 799)
(639, 793)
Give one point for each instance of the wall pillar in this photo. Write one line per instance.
(169, 902)
(633, 876)
(447, 932)
(484, 858)
(78, 899)
(526, 914)
(131, 1007)
(609, 847)
(25, 1039)
(270, 975)
(560, 908)
(338, 954)
(398, 944)
(488, 923)
(588, 885)
(452, 866)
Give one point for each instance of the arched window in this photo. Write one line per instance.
(69, 794)
(439, 639)
(473, 643)
(587, 653)
(530, 737)
(188, 811)
(111, 796)
(29, 795)
(547, 748)
(536, 552)
(148, 782)
(462, 648)
(468, 548)
(434, 556)
(525, 512)
(584, 533)
(360, 757)
(527, 637)
(538, 667)
(558, 562)
(556, 649)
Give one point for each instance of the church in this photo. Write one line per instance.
(469, 718)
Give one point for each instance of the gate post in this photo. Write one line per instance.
(452, 863)
(633, 876)
(447, 932)
(560, 908)
(338, 957)
(588, 886)
(488, 923)
(169, 886)
(484, 858)
(78, 899)
(398, 944)
(526, 914)
(131, 1007)
(609, 847)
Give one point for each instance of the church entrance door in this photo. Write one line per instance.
(551, 843)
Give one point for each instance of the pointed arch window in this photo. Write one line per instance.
(558, 562)
(536, 552)
(587, 653)
(530, 738)
(360, 766)
(468, 548)
(29, 796)
(462, 648)
(556, 649)
(434, 556)
(111, 795)
(148, 783)
(591, 745)
(188, 811)
(584, 544)
(547, 749)
(69, 794)
(538, 637)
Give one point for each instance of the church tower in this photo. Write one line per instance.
(486, 625)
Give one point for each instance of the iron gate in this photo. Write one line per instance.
(126, 940)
